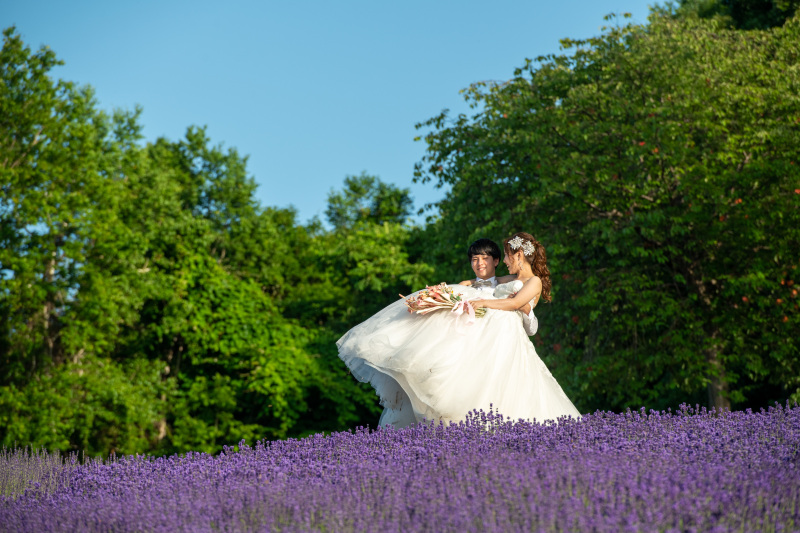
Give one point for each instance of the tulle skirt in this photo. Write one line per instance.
(437, 367)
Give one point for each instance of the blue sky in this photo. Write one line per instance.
(311, 91)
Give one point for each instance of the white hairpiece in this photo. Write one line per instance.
(518, 242)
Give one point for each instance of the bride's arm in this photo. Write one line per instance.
(525, 309)
(530, 291)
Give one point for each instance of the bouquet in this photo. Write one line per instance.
(440, 297)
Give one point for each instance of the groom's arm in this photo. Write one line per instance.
(530, 323)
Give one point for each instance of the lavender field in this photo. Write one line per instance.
(688, 470)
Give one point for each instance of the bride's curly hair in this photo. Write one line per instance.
(537, 260)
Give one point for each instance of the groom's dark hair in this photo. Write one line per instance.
(484, 247)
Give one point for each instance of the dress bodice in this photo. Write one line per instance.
(505, 290)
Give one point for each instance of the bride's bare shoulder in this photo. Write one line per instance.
(534, 281)
(506, 279)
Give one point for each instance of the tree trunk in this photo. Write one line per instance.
(717, 385)
(51, 325)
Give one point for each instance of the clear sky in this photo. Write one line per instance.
(311, 91)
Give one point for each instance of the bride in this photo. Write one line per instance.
(436, 367)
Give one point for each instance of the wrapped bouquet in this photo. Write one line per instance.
(441, 297)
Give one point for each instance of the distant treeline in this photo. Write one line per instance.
(148, 303)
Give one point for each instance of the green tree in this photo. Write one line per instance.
(658, 166)
(62, 173)
(144, 293)
(742, 14)
(97, 407)
(367, 200)
(221, 267)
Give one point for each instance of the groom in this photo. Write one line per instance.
(484, 256)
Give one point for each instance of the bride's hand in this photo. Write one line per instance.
(477, 304)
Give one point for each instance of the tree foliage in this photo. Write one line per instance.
(367, 200)
(149, 303)
(741, 14)
(658, 165)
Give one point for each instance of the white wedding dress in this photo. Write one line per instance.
(437, 367)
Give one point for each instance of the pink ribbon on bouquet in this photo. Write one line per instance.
(464, 307)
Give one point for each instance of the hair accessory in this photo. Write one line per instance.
(518, 242)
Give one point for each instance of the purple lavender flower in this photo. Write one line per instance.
(690, 470)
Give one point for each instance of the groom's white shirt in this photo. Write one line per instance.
(529, 322)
